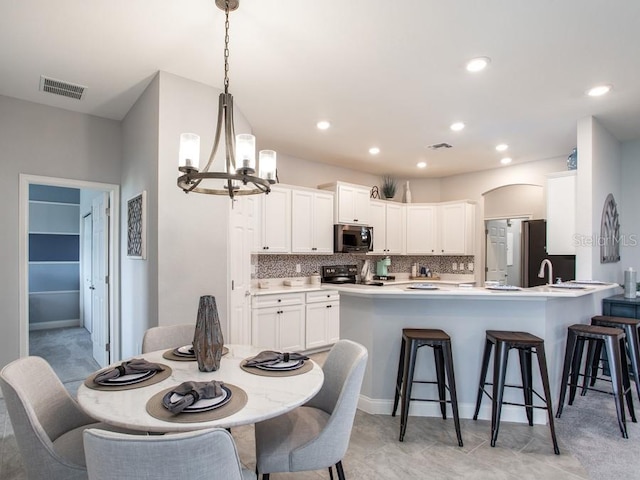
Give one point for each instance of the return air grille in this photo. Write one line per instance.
(58, 87)
(437, 146)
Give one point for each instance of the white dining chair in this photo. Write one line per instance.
(170, 336)
(196, 455)
(316, 435)
(47, 422)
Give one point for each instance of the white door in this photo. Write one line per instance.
(100, 264)
(497, 250)
(87, 277)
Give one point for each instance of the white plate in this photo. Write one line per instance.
(186, 350)
(202, 405)
(283, 366)
(129, 379)
(422, 286)
(504, 288)
(569, 286)
(589, 282)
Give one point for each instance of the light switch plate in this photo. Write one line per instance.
(454, 266)
(298, 268)
(470, 266)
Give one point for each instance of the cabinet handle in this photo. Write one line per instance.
(329, 306)
(355, 219)
(279, 300)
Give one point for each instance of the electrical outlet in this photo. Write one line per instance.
(470, 266)
(454, 266)
(298, 268)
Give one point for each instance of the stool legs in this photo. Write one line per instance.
(452, 389)
(483, 376)
(613, 356)
(399, 378)
(568, 360)
(542, 364)
(407, 384)
(527, 387)
(439, 360)
(499, 377)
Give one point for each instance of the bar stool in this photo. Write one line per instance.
(412, 340)
(630, 327)
(526, 344)
(613, 341)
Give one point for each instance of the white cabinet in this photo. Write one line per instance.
(322, 319)
(351, 203)
(561, 213)
(456, 225)
(311, 221)
(278, 322)
(388, 227)
(422, 233)
(273, 235)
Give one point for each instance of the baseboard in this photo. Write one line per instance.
(55, 324)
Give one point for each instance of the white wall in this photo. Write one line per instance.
(139, 284)
(628, 205)
(599, 174)
(41, 140)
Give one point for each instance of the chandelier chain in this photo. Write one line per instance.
(226, 47)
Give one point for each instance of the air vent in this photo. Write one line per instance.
(58, 87)
(437, 146)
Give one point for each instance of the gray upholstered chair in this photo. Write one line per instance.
(170, 336)
(197, 455)
(316, 435)
(46, 420)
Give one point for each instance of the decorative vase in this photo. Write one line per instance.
(407, 193)
(207, 339)
(572, 160)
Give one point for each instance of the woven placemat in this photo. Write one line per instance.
(237, 403)
(307, 367)
(169, 355)
(157, 378)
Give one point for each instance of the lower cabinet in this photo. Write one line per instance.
(295, 321)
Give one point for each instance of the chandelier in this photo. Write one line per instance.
(239, 175)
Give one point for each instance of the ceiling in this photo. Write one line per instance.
(384, 73)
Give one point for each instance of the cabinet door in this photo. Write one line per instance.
(452, 229)
(322, 324)
(302, 221)
(361, 206)
(264, 324)
(346, 204)
(332, 313)
(561, 214)
(378, 222)
(421, 230)
(276, 222)
(394, 229)
(323, 223)
(291, 328)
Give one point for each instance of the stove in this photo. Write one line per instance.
(338, 274)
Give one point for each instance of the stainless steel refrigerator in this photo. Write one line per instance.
(534, 251)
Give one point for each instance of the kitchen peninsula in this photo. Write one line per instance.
(375, 317)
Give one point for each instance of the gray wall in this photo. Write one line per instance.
(41, 140)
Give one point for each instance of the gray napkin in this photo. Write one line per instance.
(269, 357)
(192, 392)
(137, 365)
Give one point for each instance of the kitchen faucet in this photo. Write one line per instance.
(546, 261)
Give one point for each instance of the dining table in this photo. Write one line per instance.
(264, 395)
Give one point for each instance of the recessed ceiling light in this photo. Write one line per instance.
(374, 150)
(323, 125)
(456, 127)
(502, 147)
(478, 64)
(421, 164)
(505, 161)
(599, 90)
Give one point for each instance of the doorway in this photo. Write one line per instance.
(102, 315)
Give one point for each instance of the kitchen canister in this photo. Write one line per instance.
(630, 283)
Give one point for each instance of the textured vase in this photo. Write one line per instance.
(207, 339)
(407, 193)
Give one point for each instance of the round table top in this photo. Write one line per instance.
(267, 396)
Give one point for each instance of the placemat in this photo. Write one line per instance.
(307, 367)
(169, 355)
(237, 403)
(157, 378)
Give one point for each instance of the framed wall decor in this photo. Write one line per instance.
(136, 226)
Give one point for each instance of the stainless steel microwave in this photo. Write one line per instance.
(352, 238)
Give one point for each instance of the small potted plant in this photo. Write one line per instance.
(389, 186)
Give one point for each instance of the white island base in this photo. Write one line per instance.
(375, 317)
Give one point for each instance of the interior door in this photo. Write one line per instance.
(100, 272)
(87, 276)
(497, 250)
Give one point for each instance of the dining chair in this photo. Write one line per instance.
(47, 422)
(196, 455)
(316, 435)
(170, 336)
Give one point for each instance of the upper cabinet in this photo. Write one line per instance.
(387, 220)
(311, 221)
(422, 233)
(273, 235)
(351, 203)
(561, 213)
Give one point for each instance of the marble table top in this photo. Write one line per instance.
(267, 396)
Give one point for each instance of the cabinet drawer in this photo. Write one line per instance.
(619, 310)
(323, 296)
(263, 301)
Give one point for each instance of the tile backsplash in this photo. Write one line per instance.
(276, 266)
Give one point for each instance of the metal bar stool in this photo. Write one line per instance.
(630, 327)
(412, 340)
(613, 341)
(526, 344)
